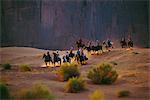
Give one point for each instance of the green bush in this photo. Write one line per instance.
(75, 85)
(4, 92)
(6, 66)
(123, 93)
(37, 92)
(97, 95)
(25, 68)
(102, 74)
(67, 71)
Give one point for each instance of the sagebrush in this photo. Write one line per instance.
(4, 92)
(102, 74)
(67, 71)
(75, 85)
(6, 66)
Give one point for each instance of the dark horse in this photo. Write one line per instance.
(47, 58)
(94, 48)
(80, 44)
(56, 59)
(71, 54)
(80, 58)
(108, 45)
(66, 59)
(123, 43)
(130, 43)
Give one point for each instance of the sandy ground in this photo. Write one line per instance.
(133, 67)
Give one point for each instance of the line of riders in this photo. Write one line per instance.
(125, 44)
(80, 56)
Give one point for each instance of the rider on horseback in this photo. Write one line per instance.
(83, 56)
(130, 42)
(56, 57)
(71, 54)
(79, 43)
(47, 58)
(123, 42)
(78, 52)
(66, 58)
(97, 43)
(80, 56)
(109, 42)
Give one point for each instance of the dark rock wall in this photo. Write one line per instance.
(58, 23)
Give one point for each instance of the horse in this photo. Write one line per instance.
(130, 43)
(80, 44)
(97, 48)
(66, 59)
(123, 44)
(71, 54)
(47, 59)
(94, 48)
(80, 59)
(56, 59)
(108, 45)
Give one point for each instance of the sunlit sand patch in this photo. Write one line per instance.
(128, 49)
(56, 64)
(43, 65)
(95, 53)
(39, 55)
(50, 65)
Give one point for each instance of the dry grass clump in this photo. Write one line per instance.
(96, 95)
(75, 85)
(36, 92)
(103, 74)
(67, 71)
(24, 68)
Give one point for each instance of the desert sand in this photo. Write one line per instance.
(133, 67)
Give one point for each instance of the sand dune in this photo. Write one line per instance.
(133, 67)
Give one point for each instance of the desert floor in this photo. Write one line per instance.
(133, 67)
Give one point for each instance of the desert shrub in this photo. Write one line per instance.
(4, 92)
(25, 68)
(6, 66)
(67, 71)
(123, 93)
(103, 74)
(97, 95)
(37, 92)
(75, 85)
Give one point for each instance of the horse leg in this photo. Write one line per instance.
(46, 64)
(60, 62)
(54, 63)
(49, 62)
